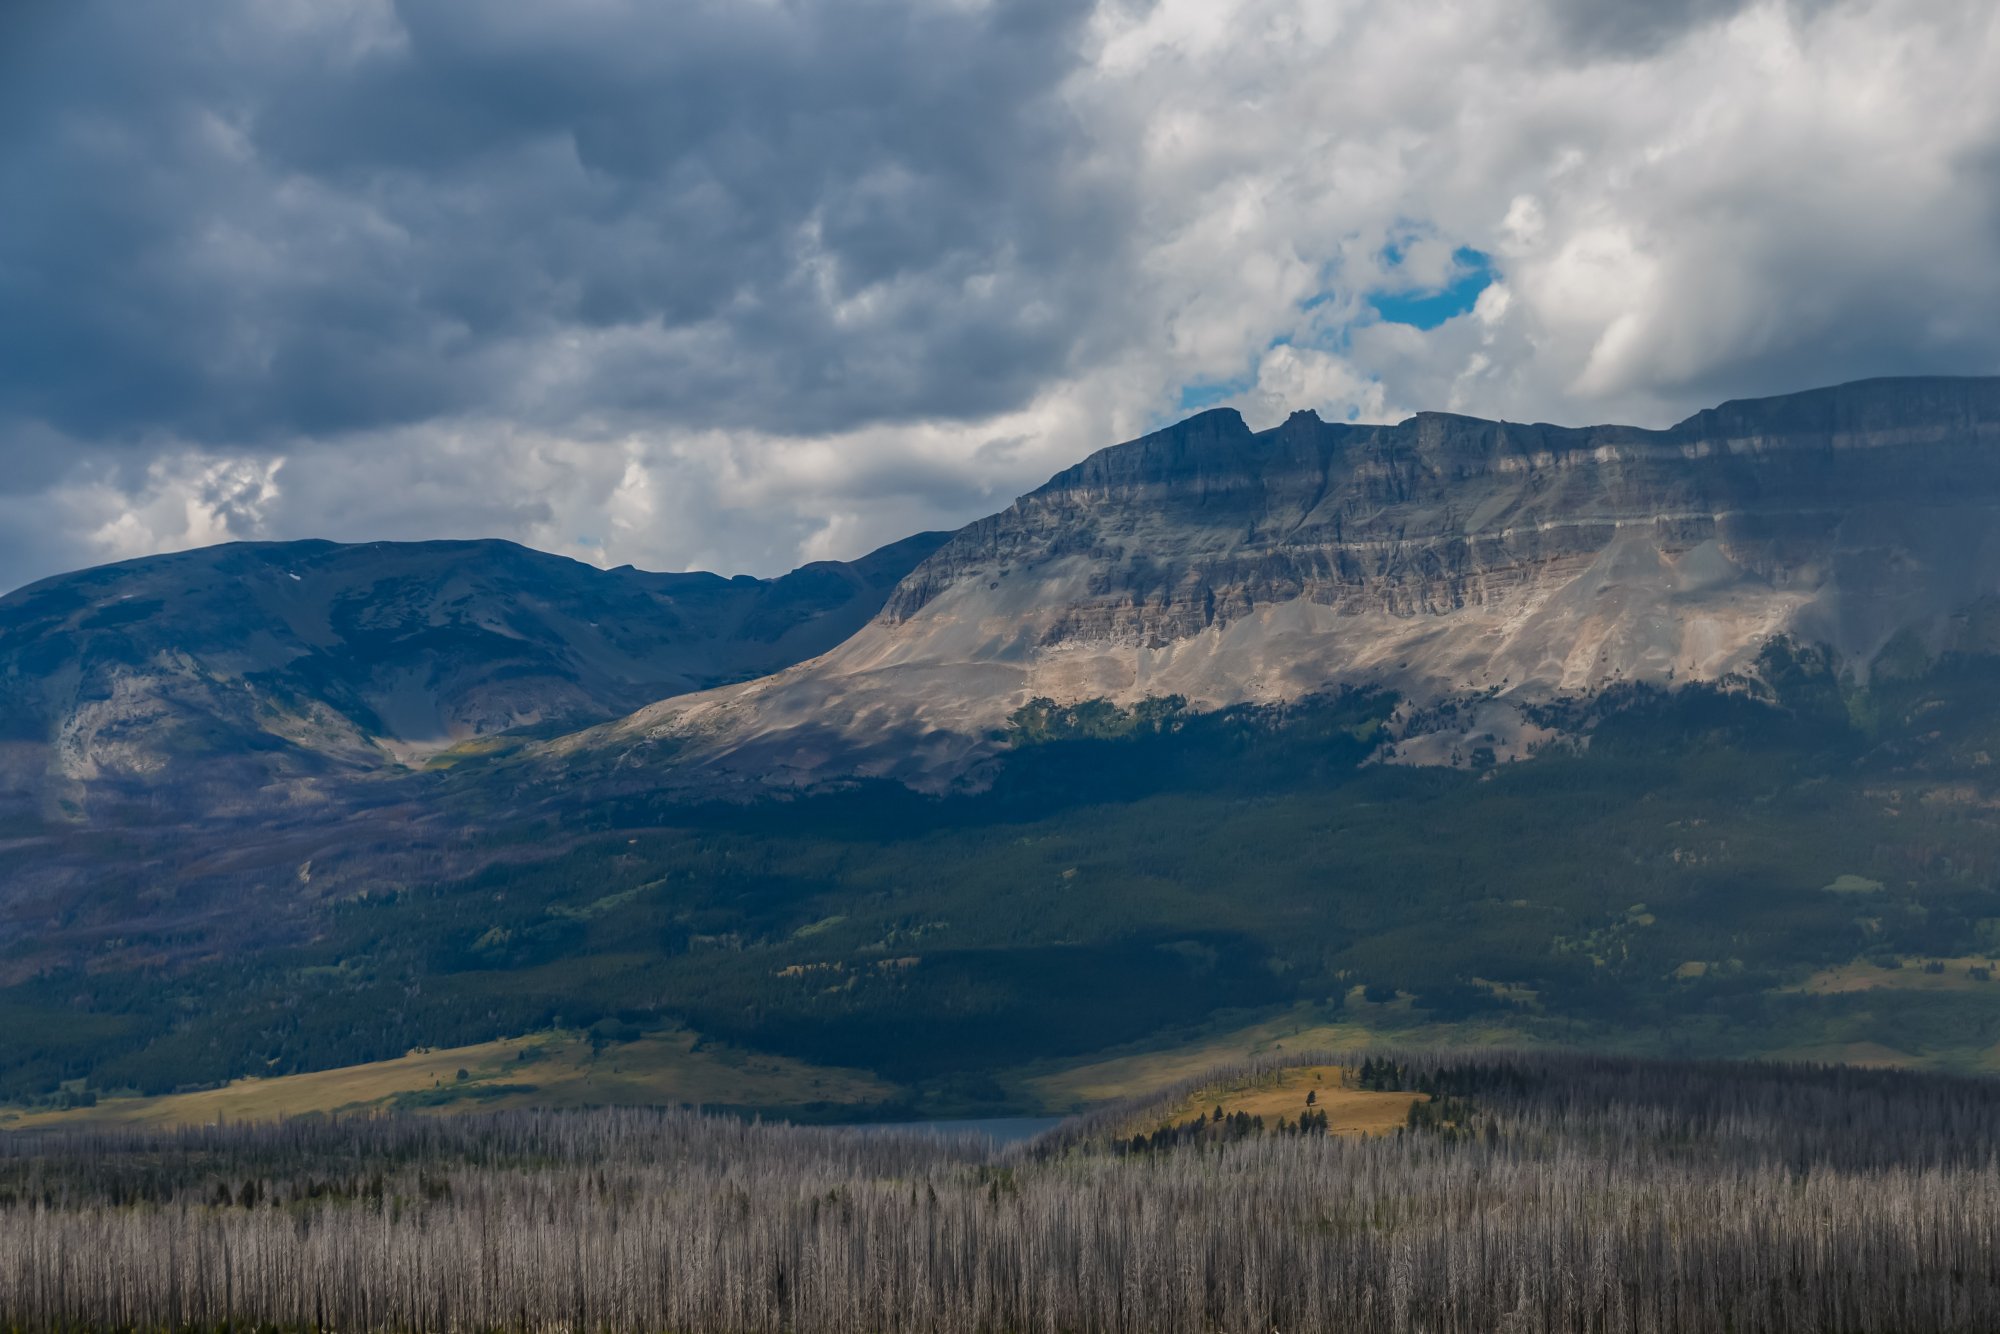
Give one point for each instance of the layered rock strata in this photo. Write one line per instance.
(1443, 555)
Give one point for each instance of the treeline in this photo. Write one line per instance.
(1599, 1195)
(1220, 1129)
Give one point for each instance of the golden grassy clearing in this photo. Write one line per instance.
(1282, 1093)
(1861, 975)
(1100, 1081)
(483, 747)
(542, 1070)
(1872, 1054)
(1150, 1071)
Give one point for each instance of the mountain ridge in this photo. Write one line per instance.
(272, 663)
(1443, 555)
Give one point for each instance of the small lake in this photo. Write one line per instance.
(999, 1129)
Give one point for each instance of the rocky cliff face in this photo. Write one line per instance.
(216, 676)
(1444, 555)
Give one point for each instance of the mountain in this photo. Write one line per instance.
(1100, 773)
(1495, 564)
(245, 672)
(1494, 567)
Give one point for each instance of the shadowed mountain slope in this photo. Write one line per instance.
(222, 671)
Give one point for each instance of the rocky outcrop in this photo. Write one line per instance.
(1442, 555)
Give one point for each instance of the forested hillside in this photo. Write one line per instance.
(1795, 863)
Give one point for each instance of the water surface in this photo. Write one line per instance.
(999, 1129)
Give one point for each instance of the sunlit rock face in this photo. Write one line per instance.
(237, 676)
(1445, 556)
(1495, 564)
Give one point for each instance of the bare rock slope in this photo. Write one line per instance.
(1443, 555)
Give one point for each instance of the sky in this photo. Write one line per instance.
(743, 284)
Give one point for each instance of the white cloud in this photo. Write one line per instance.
(1682, 203)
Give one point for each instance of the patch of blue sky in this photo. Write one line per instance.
(1427, 308)
(1471, 272)
(1205, 394)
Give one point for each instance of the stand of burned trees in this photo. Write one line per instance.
(1559, 1193)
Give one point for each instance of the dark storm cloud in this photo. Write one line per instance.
(307, 220)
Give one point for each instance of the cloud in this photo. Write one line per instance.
(740, 284)
(307, 220)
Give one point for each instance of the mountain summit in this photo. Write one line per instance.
(1449, 557)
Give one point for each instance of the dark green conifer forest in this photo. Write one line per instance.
(1671, 882)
